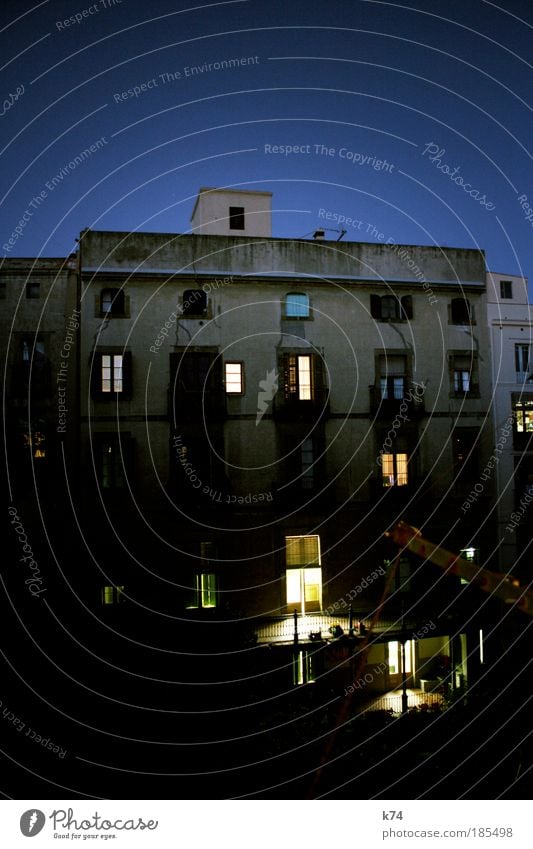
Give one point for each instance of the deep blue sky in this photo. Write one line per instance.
(374, 78)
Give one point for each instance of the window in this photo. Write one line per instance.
(32, 359)
(297, 305)
(463, 374)
(521, 358)
(194, 303)
(111, 375)
(112, 595)
(236, 217)
(302, 377)
(112, 302)
(234, 378)
(506, 289)
(204, 591)
(392, 376)
(303, 573)
(523, 419)
(394, 469)
(33, 289)
(3, 290)
(394, 652)
(111, 462)
(302, 668)
(36, 443)
(461, 311)
(465, 454)
(391, 308)
(307, 461)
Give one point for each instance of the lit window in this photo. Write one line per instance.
(302, 668)
(236, 217)
(394, 469)
(36, 442)
(523, 414)
(112, 302)
(304, 378)
(521, 358)
(204, 591)
(304, 584)
(297, 305)
(234, 378)
(394, 650)
(112, 595)
(112, 373)
(506, 289)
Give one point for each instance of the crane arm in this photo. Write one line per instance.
(500, 585)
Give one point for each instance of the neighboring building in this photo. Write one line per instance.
(256, 412)
(511, 327)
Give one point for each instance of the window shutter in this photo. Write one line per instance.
(127, 376)
(95, 368)
(375, 306)
(319, 377)
(407, 307)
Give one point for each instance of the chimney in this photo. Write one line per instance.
(319, 235)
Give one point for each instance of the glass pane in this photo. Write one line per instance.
(302, 550)
(106, 373)
(117, 373)
(313, 584)
(233, 377)
(304, 378)
(294, 593)
(297, 305)
(393, 657)
(387, 469)
(401, 469)
(208, 584)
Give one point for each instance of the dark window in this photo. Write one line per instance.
(465, 455)
(112, 302)
(463, 375)
(111, 375)
(113, 457)
(236, 217)
(33, 289)
(194, 303)
(506, 288)
(461, 311)
(521, 358)
(2, 290)
(391, 308)
(297, 305)
(392, 377)
(197, 390)
(32, 360)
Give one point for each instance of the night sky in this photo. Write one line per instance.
(411, 120)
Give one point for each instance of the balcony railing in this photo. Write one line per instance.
(288, 407)
(389, 407)
(280, 629)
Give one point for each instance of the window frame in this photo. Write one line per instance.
(33, 290)
(121, 444)
(403, 307)
(112, 594)
(98, 393)
(400, 477)
(506, 286)
(306, 305)
(461, 364)
(199, 592)
(190, 312)
(241, 391)
(237, 214)
(520, 359)
(462, 316)
(299, 566)
(117, 302)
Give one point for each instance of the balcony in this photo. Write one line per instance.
(387, 408)
(290, 408)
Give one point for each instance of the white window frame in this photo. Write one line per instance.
(234, 377)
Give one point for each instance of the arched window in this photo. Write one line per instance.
(297, 305)
(112, 302)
